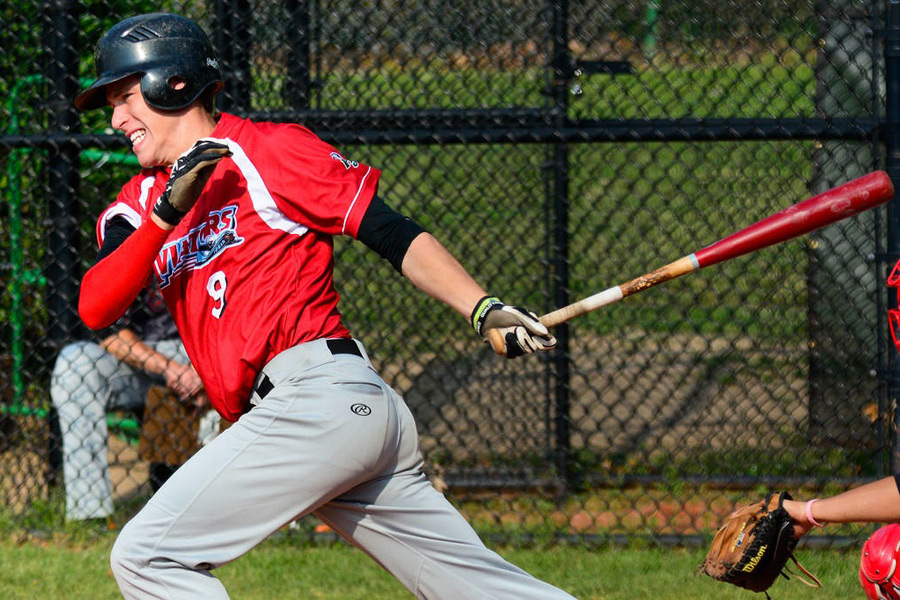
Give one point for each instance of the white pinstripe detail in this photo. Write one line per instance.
(119, 209)
(146, 184)
(263, 203)
(362, 184)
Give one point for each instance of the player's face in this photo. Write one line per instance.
(154, 134)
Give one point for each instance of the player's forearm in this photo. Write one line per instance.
(126, 346)
(111, 285)
(876, 502)
(432, 269)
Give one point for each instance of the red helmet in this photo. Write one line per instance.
(878, 564)
(893, 281)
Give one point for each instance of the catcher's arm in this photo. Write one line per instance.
(876, 502)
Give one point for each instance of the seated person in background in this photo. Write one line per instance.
(92, 378)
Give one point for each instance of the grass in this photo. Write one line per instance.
(32, 567)
(771, 87)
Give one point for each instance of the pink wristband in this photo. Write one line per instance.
(809, 516)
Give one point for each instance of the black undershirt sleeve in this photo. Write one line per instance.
(117, 231)
(387, 232)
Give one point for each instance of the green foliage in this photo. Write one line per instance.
(19, 39)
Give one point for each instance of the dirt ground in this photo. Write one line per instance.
(631, 395)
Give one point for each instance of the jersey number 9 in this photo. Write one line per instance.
(216, 287)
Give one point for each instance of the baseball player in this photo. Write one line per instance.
(234, 219)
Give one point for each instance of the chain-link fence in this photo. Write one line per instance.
(557, 148)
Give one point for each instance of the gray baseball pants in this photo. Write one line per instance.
(330, 438)
(88, 382)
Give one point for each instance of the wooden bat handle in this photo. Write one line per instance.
(496, 340)
(683, 265)
(670, 271)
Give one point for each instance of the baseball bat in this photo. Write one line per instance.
(829, 207)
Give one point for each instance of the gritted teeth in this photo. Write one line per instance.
(137, 136)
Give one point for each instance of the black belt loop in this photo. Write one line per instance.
(343, 346)
(264, 387)
(335, 346)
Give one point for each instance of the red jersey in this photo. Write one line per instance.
(248, 273)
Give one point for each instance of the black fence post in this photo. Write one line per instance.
(561, 74)
(891, 138)
(62, 261)
(299, 88)
(231, 39)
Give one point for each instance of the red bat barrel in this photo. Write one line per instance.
(828, 207)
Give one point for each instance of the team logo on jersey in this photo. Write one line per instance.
(201, 244)
(348, 164)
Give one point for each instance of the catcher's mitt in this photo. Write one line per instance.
(753, 546)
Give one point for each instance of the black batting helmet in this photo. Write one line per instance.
(162, 47)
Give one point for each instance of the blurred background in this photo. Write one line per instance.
(557, 148)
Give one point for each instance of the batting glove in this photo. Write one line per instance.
(189, 174)
(520, 329)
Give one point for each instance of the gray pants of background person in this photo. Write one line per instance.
(88, 382)
(333, 439)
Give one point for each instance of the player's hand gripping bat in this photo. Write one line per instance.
(813, 213)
